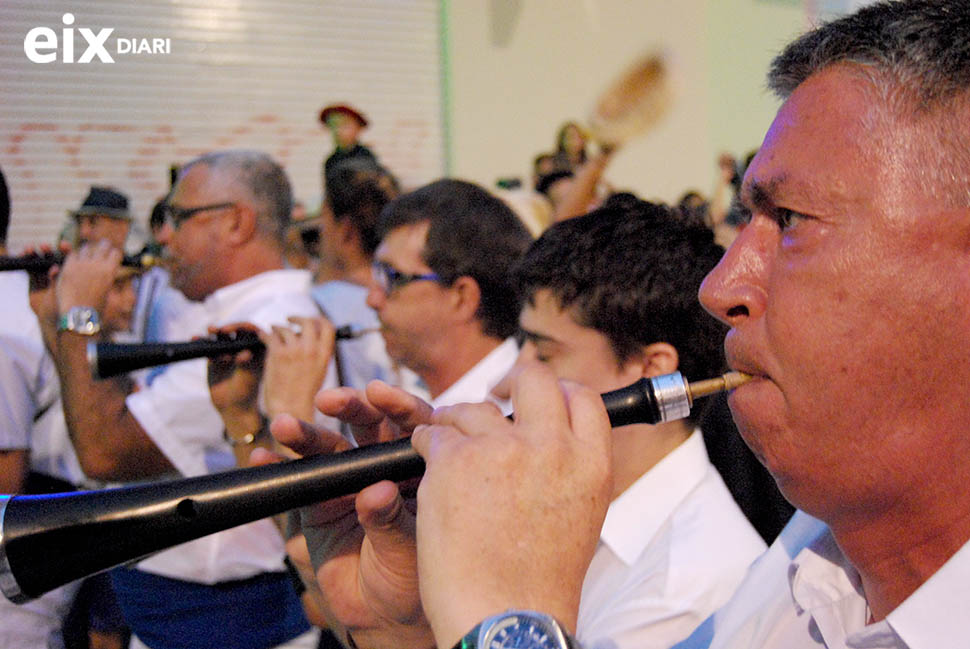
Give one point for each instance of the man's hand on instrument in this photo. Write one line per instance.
(41, 280)
(234, 391)
(509, 513)
(297, 359)
(234, 378)
(86, 277)
(363, 549)
(381, 413)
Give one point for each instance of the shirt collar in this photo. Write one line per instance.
(933, 615)
(825, 584)
(476, 384)
(636, 515)
(227, 299)
(820, 574)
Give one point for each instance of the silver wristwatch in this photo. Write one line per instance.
(80, 319)
(519, 630)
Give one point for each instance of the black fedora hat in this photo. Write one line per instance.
(104, 201)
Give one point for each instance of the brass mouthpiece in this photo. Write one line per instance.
(145, 260)
(722, 383)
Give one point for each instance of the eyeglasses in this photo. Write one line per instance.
(179, 215)
(389, 278)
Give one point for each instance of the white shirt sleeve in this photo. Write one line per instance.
(17, 405)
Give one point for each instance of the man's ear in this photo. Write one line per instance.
(241, 224)
(466, 296)
(655, 359)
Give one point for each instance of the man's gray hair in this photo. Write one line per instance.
(915, 54)
(263, 179)
(920, 45)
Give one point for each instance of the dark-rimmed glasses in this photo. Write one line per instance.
(179, 215)
(389, 278)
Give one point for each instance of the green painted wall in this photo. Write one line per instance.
(742, 38)
(518, 68)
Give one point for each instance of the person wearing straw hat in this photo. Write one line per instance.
(346, 124)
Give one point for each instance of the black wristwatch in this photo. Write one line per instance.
(518, 630)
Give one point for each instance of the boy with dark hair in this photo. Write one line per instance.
(631, 271)
(610, 298)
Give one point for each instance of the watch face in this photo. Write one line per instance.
(84, 320)
(80, 319)
(524, 632)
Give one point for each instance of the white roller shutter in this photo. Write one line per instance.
(239, 74)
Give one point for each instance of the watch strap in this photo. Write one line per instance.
(471, 639)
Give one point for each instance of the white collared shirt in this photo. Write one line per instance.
(176, 412)
(673, 548)
(476, 384)
(804, 594)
